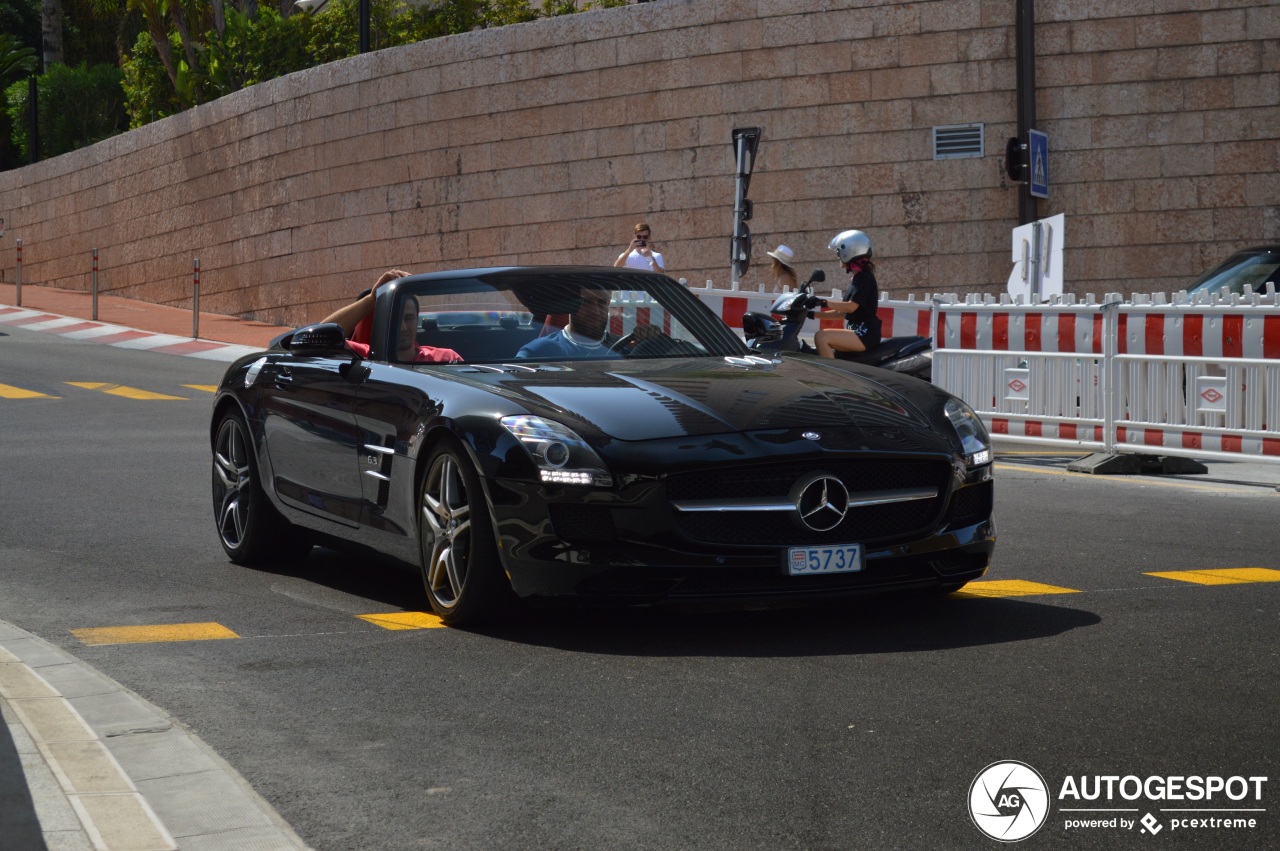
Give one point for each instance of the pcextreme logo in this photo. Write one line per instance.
(1009, 801)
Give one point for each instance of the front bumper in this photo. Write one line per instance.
(642, 560)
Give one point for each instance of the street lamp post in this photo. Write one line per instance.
(33, 101)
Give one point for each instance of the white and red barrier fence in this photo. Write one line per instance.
(1147, 377)
(897, 318)
(632, 309)
(1156, 375)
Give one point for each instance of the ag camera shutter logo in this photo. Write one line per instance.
(1008, 801)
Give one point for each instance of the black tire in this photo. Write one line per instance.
(461, 571)
(249, 527)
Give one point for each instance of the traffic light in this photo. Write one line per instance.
(1028, 162)
(1015, 160)
(746, 140)
(740, 250)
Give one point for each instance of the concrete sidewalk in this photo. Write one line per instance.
(87, 764)
(141, 315)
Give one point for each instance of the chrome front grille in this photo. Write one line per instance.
(887, 498)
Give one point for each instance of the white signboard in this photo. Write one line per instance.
(1037, 259)
(1017, 385)
(1211, 391)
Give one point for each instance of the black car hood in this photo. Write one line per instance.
(649, 400)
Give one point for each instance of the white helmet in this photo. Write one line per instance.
(849, 245)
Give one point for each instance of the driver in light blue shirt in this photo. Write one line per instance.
(586, 337)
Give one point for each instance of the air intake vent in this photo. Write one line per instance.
(957, 140)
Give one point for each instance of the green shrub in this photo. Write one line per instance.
(255, 49)
(15, 103)
(75, 107)
(149, 94)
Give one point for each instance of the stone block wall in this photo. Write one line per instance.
(546, 142)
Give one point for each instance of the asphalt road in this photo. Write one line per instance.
(857, 726)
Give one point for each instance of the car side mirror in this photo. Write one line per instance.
(326, 338)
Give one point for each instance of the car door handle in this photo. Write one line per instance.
(284, 378)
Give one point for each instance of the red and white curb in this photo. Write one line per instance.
(118, 335)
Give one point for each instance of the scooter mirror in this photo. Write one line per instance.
(817, 277)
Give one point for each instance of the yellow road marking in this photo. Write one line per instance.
(1011, 588)
(159, 632)
(122, 390)
(205, 388)
(8, 391)
(404, 620)
(1223, 576)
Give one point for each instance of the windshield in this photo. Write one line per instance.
(1242, 272)
(561, 314)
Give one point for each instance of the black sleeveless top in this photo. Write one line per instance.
(864, 320)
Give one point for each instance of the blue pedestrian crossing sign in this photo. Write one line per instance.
(1038, 166)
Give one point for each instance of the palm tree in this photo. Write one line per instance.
(16, 61)
(51, 31)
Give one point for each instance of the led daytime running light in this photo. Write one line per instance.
(974, 442)
(561, 456)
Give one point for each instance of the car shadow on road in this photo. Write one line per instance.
(368, 576)
(879, 624)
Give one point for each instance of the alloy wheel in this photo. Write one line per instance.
(446, 531)
(232, 479)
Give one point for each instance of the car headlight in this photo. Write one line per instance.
(974, 441)
(561, 456)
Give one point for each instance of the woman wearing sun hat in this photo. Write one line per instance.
(784, 272)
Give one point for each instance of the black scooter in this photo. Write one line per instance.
(768, 335)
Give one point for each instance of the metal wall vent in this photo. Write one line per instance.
(957, 140)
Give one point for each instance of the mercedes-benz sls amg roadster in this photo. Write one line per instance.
(593, 434)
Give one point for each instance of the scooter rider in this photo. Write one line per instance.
(858, 309)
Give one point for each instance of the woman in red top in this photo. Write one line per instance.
(407, 348)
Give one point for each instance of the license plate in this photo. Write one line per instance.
(808, 561)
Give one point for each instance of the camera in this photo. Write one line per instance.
(643, 243)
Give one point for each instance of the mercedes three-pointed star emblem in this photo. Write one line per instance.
(821, 501)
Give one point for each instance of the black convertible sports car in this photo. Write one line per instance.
(600, 435)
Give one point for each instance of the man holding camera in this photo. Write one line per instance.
(641, 253)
